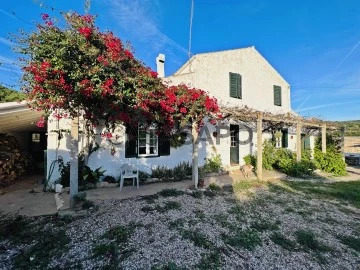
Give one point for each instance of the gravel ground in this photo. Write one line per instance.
(194, 230)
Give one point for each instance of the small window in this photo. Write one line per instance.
(148, 141)
(35, 137)
(277, 95)
(235, 85)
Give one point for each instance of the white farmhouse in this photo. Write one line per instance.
(235, 77)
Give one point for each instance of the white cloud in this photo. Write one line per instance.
(138, 18)
(327, 105)
(7, 42)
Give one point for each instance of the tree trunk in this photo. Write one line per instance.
(74, 161)
(195, 154)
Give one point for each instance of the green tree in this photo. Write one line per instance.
(8, 95)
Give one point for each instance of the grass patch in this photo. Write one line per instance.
(104, 250)
(248, 239)
(214, 187)
(222, 220)
(150, 199)
(199, 214)
(16, 229)
(348, 192)
(209, 193)
(283, 241)
(39, 255)
(265, 225)
(171, 192)
(210, 261)
(197, 238)
(120, 234)
(308, 241)
(177, 223)
(171, 205)
(244, 185)
(167, 266)
(197, 194)
(350, 241)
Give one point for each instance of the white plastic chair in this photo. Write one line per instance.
(129, 171)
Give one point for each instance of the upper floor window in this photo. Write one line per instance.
(235, 85)
(277, 95)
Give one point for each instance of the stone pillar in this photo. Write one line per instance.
(298, 142)
(74, 162)
(323, 138)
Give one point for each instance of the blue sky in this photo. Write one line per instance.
(314, 45)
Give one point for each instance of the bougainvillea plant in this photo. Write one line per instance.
(181, 106)
(80, 69)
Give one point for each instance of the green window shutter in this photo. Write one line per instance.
(285, 138)
(131, 142)
(164, 145)
(235, 85)
(239, 86)
(277, 95)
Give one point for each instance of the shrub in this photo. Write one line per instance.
(250, 160)
(269, 157)
(182, 171)
(109, 179)
(163, 173)
(213, 164)
(330, 161)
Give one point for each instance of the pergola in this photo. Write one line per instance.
(246, 114)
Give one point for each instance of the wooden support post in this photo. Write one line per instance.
(259, 146)
(342, 134)
(298, 142)
(195, 154)
(323, 138)
(74, 163)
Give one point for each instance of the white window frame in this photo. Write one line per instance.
(148, 144)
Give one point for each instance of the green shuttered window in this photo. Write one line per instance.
(277, 95)
(142, 142)
(235, 85)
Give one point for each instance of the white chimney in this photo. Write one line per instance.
(160, 65)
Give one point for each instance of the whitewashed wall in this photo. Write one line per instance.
(210, 72)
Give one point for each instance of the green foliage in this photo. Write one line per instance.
(109, 179)
(248, 239)
(104, 250)
(143, 176)
(197, 238)
(163, 173)
(283, 241)
(264, 225)
(352, 128)
(330, 161)
(178, 139)
(308, 241)
(333, 142)
(170, 192)
(120, 233)
(212, 164)
(350, 241)
(168, 266)
(285, 161)
(182, 171)
(48, 245)
(250, 160)
(210, 261)
(346, 192)
(268, 155)
(8, 95)
(214, 187)
(92, 176)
